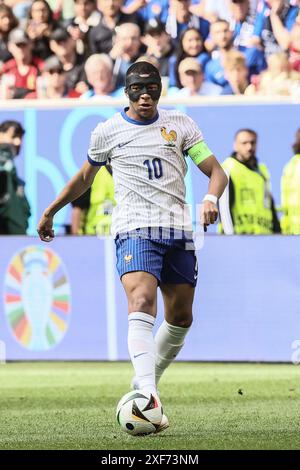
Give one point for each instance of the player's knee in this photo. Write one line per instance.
(184, 321)
(142, 303)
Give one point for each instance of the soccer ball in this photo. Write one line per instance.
(139, 412)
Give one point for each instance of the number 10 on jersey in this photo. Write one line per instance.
(154, 167)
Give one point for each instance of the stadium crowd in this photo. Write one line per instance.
(83, 48)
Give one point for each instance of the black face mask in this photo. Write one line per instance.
(143, 83)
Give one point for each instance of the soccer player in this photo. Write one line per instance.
(147, 149)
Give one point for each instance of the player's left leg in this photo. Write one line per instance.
(169, 339)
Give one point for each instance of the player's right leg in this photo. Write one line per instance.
(141, 292)
(139, 263)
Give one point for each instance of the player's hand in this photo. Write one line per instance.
(209, 214)
(45, 228)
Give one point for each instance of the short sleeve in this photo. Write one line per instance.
(192, 134)
(98, 152)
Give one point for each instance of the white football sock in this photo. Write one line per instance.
(142, 349)
(169, 340)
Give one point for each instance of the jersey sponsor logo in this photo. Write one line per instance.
(128, 258)
(170, 137)
(123, 144)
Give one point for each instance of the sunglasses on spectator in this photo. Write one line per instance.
(53, 71)
(21, 44)
(192, 72)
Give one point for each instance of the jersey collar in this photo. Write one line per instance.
(139, 123)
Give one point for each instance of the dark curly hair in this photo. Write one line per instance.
(19, 131)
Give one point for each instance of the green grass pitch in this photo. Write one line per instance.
(210, 406)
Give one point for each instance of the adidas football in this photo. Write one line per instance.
(139, 412)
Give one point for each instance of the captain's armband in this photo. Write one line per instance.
(199, 152)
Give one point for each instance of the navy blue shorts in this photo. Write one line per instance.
(168, 259)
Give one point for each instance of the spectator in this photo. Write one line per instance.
(99, 72)
(19, 74)
(237, 14)
(181, 18)
(247, 206)
(39, 27)
(275, 18)
(14, 207)
(192, 81)
(101, 36)
(79, 27)
(190, 45)
(222, 39)
(20, 9)
(8, 22)
(236, 73)
(91, 214)
(241, 26)
(288, 40)
(290, 192)
(126, 50)
(62, 9)
(278, 79)
(64, 47)
(148, 9)
(294, 46)
(213, 10)
(52, 82)
(159, 45)
(242, 23)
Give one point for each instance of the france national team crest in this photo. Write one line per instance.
(37, 298)
(170, 136)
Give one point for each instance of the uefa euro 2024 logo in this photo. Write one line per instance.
(37, 298)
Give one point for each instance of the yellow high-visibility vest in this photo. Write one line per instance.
(290, 197)
(252, 208)
(98, 218)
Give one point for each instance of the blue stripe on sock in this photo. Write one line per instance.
(144, 321)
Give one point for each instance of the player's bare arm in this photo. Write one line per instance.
(217, 183)
(74, 188)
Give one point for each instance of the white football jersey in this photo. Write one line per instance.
(149, 165)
